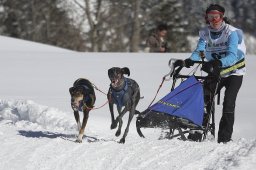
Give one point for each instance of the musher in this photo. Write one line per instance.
(223, 47)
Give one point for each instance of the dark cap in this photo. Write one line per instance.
(162, 27)
(213, 7)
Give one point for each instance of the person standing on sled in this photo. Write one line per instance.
(223, 47)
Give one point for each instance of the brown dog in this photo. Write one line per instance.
(82, 99)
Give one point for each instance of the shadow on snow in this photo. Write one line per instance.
(53, 135)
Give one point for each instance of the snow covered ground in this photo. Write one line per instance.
(37, 127)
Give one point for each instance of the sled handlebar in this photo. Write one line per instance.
(176, 66)
(172, 62)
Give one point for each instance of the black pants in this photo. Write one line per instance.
(232, 85)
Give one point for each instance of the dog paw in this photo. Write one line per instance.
(118, 133)
(78, 141)
(113, 126)
(122, 140)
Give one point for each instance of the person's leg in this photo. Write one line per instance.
(232, 85)
(209, 94)
(209, 86)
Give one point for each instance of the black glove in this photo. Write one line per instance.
(188, 63)
(212, 67)
(179, 63)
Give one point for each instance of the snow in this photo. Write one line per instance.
(38, 130)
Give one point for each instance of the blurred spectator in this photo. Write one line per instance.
(157, 41)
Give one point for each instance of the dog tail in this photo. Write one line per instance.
(126, 70)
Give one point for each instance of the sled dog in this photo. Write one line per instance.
(82, 99)
(124, 93)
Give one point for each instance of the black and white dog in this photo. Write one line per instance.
(123, 92)
(82, 99)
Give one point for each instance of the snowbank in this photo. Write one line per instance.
(24, 112)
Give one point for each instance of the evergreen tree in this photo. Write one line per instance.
(40, 21)
(115, 25)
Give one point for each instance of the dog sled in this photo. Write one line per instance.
(183, 112)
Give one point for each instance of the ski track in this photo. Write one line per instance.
(23, 131)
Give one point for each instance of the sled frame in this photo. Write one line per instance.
(183, 126)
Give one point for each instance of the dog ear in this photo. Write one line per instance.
(126, 70)
(110, 72)
(71, 89)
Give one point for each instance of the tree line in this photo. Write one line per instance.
(114, 25)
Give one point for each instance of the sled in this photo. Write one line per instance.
(183, 112)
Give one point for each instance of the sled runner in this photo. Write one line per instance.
(183, 110)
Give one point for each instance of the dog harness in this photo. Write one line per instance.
(86, 99)
(118, 96)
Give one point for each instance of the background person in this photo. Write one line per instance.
(157, 41)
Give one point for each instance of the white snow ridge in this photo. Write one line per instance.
(22, 112)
